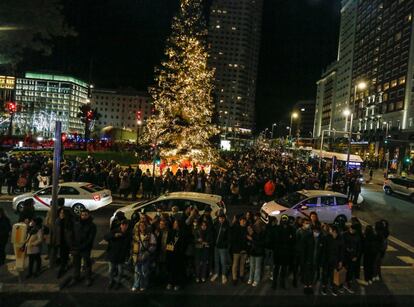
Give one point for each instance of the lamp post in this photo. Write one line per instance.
(273, 126)
(294, 115)
(387, 154)
(359, 86)
(348, 113)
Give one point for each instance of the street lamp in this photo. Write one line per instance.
(294, 115)
(273, 126)
(387, 154)
(348, 113)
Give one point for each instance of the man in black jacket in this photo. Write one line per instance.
(332, 258)
(84, 232)
(238, 248)
(119, 243)
(283, 251)
(221, 241)
(352, 252)
(313, 244)
(5, 229)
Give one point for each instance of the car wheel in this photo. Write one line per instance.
(77, 208)
(387, 190)
(340, 220)
(19, 207)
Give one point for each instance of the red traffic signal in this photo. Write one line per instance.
(11, 107)
(64, 136)
(89, 115)
(138, 115)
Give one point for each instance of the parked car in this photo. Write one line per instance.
(403, 186)
(180, 199)
(77, 195)
(331, 207)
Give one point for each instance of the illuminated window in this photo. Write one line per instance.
(394, 83)
(385, 97)
(386, 86)
(401, 80)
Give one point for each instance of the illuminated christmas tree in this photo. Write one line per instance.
(182, 126)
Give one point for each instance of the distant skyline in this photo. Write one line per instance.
(120, 42)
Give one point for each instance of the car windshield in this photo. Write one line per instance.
(291, 200)
(92, 188)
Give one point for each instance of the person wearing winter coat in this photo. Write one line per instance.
(256, 247)
(283, 251)
(5, 229)
(298, 261)
(203, 241)
(62, 238)
(238, 248)
(313, 243)
(332, 258)
(119, 243)
(144, 245)
(352, 252)
(221, 246)
(33, 246)
(175, 256)
(84, 232)
(371, 250)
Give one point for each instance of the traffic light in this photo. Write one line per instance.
(11, 107)
(138, 115)
(407, 160)
(89, 115)
(158, 160)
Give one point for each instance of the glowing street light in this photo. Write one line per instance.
(293, 116)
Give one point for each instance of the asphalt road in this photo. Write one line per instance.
(398, 210)
(397, 267)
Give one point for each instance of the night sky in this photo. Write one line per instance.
(120, 42)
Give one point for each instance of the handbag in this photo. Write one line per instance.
(339, 277)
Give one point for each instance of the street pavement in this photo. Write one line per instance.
(396, 290)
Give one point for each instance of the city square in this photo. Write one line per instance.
(199, 152)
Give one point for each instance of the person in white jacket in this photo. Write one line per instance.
(33, 246)
(43, 180)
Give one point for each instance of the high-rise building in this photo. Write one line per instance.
(234, 39)
(345, 61)
(384, 60)
(306, 119)
(125, 109)
(325, 100)
(45, 98)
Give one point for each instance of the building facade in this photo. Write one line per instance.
(345, 63)
(43, 99)
(384, 59)
(325, 100)
(122, 109)
(234, 40)
(306, 119)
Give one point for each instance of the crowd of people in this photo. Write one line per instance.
(172, 250)
(247, 178)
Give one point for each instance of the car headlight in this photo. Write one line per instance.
(276, 212)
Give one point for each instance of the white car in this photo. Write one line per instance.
(180, 199)
(331, 207)
(77, 195)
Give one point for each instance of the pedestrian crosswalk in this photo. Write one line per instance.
(406, 259)
(34, 303)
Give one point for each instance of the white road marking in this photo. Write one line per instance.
(103, 242)
(394, 240)
(391, 249)
(406, 259)
(34, 303)
(119, 205)
(96, 253)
